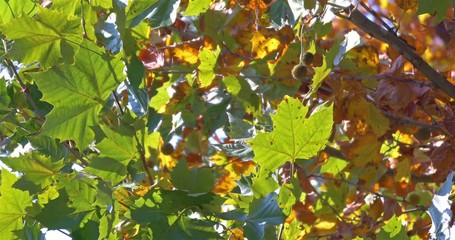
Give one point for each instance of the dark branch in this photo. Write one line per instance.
(361, 21)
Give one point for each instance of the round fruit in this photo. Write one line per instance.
(299, 72)
(167, 149)
(308, 58)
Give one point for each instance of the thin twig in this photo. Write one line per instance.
(83, 21)
(280, 233)
(409, 121)
(376, 16)
(328, 204)
(75, 153)
(24, 90)
(117, 102)
(140, 147)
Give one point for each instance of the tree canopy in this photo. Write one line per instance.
(227, 119)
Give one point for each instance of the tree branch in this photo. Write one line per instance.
(361, 21)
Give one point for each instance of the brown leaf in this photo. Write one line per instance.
(443, 159)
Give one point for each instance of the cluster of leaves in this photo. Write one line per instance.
(182, 120)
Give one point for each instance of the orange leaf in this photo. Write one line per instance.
(255, 4)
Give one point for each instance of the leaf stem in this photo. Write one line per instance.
(75, 153)
(117, 102)
(24, 90)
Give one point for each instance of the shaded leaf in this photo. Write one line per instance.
(264, 211)
(195, 180)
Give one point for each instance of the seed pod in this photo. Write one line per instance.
(167, 149)
(308, 58)
(299, 72)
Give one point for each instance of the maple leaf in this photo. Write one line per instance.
(294, 135)
(48, 38)
(78, 92)
(13, 203)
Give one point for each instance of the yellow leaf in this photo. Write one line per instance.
(262, 46)
(187, 53)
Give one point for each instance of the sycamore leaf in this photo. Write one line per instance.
(78, 93)
(206, 68)
(438, 8)
(12, 206)
(394, 229)
(12, 9)
(117, 150)
(294, 135)
(49, 38)
(196, 7)
(323, 71)
(36, 167)
(139, 10)
(263, 211)
(195, 180)
(159, 101)
(58, 215)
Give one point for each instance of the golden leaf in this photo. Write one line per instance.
(255, 4)
(187, 53)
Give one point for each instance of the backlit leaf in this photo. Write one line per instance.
(206, 67)
(13, 203)
(78, 92)
(12, 9)
(49, 38)
(37, 168)
(294, 135)
(196, 7)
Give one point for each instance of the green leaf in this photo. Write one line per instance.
(49, 38)
(241, 90)
(323, 71)
(13, 203)
(78, 92)
(65, 6)
(161, 97)
(263, 185)
(195, 180)
(117, 150)
(48, 146)
(12, 9)
(36, 168)
(263, 212)
(206, 68)
(81, 193)
(138, 10)
(164, 13)
(394, 229)
(281, 14)
(196, 7)
(294, 136)
(437, 8)
(57, 215)
(334, 166)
